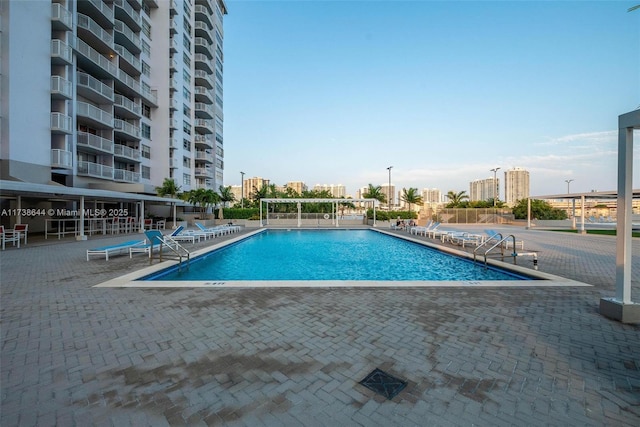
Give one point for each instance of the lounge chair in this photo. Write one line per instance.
(419, 229)
(22, 230)
(156, 240)
(190, 236)
(210, 232)
(9, 236)
(114, 249)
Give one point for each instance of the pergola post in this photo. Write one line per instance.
(81, 236)
(299, 214)
(582, 230)
(621, 306)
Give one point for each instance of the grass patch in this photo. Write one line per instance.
(601, 232)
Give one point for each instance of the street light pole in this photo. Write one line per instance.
(242, 190)
(495, 192)
(573, 224)
(389, 191)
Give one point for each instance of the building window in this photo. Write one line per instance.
(187, 26)
(146, 111)
(186, 127)
(186, 110)
(186, 144)
(186, 59)
(146, 172)
(186, 162)
(146, 28)
(146, 151)
(186, 42)
(186, 93)
(146, 8)
(146, 69)
(146, 49)
(186, 179)
(186, 77)
(146, 130)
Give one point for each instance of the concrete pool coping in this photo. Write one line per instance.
(540, 279)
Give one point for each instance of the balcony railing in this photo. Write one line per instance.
(202, 76)
(128, 56)
(61, 159)
(202, 45)
(94, 113)
(127, 128)
(124, 151)
(61, 123)
(95, 57)
(96, 85)
(204, 156)
(125, 175)
(121, 27)
(95, 170)
(126, 103)
(204, 30)
(174, 45)
(129, 81)
(85, 139)
(61, 16)
(174, 163)
(205, 140)
(133, 15)
(173, 83)
(203, 109)
(202, 62)
(90, 25)
(103, 8)
(205, 125)
(204, 172)
(61, 51)
(150, 95)
(173, 123)
(202, 14)
(173, 142)
(60, 86)
(173, 64)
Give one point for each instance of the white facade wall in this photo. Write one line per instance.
(102, 94)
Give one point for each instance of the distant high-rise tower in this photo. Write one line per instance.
(336, 190)
(516, 185)
(431, 195)
(484, 189)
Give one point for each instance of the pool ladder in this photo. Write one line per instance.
(501, 243)
(176, 248)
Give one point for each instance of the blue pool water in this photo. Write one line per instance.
(330, 255)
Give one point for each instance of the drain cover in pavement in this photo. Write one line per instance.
(383, 383)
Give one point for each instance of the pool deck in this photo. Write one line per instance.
(75, 354)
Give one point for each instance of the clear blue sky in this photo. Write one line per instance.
(334, 92)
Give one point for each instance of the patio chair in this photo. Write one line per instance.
(210, 232)
(21, 230)
(9, 236)
(148, 224)
(156, 240)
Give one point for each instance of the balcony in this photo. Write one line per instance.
(204, 111)
(124, 107)
(174, 163)
(202, 63)
(150, 95)
(204, 126)
(173, 65)
(93, 89)
(136, 4)
(125, 175)
(61, 88)
(204, 172)
(93, 62)
(174, 45)
(201, 45)
(202, 78)
(203, 142)
(125, 13)
(61, 18)
(204, 156)
(207, 4)
(173, 123)
(126, 130)
(173, 26)
(174, 104)
(203, 30)
(94, 116)
(61, 159)
(126, 152)
(152, 3)
(98, 11)
(173, 84)
(61, 53)
(128, 62)
(204, 95)
(61, 124)
(128, 85)
(127, 38)
(94, 35)
(95, 170)
(202, 14)
(91, 143)
(173, 8)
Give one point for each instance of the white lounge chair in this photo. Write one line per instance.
(9, 236)
(115, 249)
(182, 235)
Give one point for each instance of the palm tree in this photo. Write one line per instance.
(226, 195)
(411, 196)
(202, 198)
(456, 198)
(259, 193)
(375, 193)
(168, 188)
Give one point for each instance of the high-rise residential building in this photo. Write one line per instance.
(336, 190)
(112, 94)
(516, 185)
(389, 193)
(253, 184)
(484, 189)
(298, 186)
(431, 195)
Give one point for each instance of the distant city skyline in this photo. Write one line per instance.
(335, 92)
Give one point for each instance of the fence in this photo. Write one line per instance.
(471, 216)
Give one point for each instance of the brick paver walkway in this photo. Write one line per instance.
(73, 354)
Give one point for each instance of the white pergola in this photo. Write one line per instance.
(334, 207)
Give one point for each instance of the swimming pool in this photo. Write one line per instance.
(330, 255)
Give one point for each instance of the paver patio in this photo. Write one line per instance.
(73, 354)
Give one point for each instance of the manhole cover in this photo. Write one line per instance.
(383, 383)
